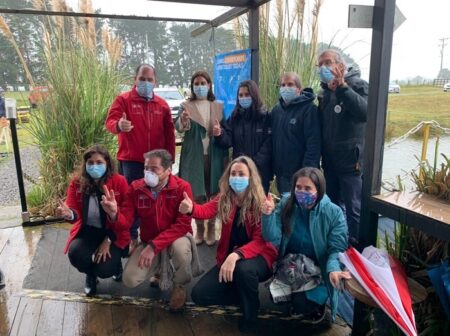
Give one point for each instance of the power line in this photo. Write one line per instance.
(442, 45)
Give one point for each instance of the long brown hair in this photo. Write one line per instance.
(206, 76)
(316, 176)
(253, 195)
(87, 183)
(257, 109)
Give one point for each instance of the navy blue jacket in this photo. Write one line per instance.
(343, 115)
(250, 136)
(2, 107)
(295, 137)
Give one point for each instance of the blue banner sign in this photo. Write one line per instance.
(230, 69)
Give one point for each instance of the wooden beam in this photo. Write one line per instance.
(227, 3)
(253, 24)
(380, 65)
(220, 20)
(98, 15)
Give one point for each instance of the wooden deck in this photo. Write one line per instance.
(25, 312)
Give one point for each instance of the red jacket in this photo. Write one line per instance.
(152, 125)
(161, 223)
(257, 245)
(75, 200)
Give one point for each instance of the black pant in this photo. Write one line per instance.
(243, 290)
(84, 246)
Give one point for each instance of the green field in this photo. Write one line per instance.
(415, 104)
(20, 97)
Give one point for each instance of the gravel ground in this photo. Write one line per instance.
(9, 188)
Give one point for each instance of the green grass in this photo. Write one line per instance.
(20, 97)
(25, 139)
(415, 104)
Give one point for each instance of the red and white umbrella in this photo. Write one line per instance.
(385, 281)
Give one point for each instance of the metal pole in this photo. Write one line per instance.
(380, 65)
(15, 142)
(423, 156)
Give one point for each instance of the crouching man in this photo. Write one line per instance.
(165, 234)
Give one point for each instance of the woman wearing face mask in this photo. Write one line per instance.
(248, 130)
(306, 222)
(95, 244)
(201, 160)
(243, 257)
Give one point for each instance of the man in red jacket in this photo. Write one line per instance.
(155, 200)
(143, 122)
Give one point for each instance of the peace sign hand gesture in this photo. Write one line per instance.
(109, 202)
(63, 210)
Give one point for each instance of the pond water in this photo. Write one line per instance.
(400, 159)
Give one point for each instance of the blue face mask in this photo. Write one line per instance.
(305, 199)
(238, 183)
(288, 93)
(245, 102)
(325, 74)
(96, 170)
(201, 91)
(145, 89)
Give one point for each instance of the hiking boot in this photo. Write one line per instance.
(200, 233)
(154, 281)
(178, 298)
(90, 285)
(211, 234)
(118, 277)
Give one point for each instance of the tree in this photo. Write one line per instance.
(444, 73)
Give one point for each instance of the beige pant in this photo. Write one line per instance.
(180, 254)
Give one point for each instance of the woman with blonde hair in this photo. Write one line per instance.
(243, 257)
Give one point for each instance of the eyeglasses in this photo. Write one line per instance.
(327, 63)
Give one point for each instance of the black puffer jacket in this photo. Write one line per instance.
(343, 116)
(295, 137)
(250, 136)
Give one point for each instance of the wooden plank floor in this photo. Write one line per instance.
(23, 314)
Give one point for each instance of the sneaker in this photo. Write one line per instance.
(90, 286)
(178, 298)
(315, 317)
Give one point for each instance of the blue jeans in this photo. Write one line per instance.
(345, 191)
(132, 171)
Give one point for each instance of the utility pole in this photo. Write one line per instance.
(442, 46)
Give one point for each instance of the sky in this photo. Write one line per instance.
(415, 50)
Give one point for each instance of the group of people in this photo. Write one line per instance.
(145, 214)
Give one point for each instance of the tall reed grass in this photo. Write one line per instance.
(288, 42)
(82, 74)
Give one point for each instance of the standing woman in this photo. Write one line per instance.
(243, 258)
(306, 222)
(248, 130)
(201, 160)
(96, 243)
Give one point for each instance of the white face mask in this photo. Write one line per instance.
(151, 179)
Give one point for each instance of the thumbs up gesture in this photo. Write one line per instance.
(63, 210)
(185, 116)
(268, 205)
(109, 202)
(216, 128)
(124, 124)
(186, 205)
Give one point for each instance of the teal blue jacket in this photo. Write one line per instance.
(329, 236)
